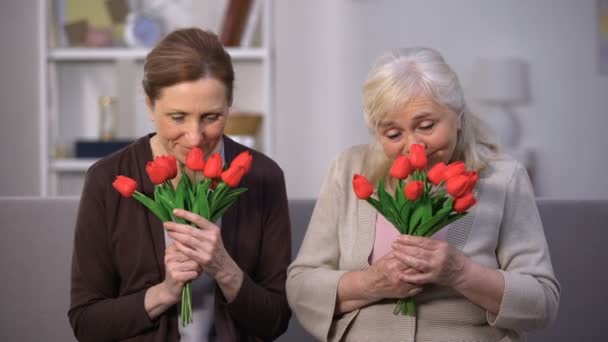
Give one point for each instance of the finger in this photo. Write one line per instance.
(198, 220)
(414, 251)
(419, 241)
(186, 239)
(416, 279)
(419, 264)
(191, 253)
(183, 277)
(181, 228)
(414, 291)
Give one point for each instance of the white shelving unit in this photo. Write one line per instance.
(73, 78)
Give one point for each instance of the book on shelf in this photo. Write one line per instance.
(235, 18)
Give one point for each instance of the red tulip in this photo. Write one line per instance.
(401, 168)
(124, 185)
(457, 186)
(418, 157)
(436, 174)
(213, 167)
(243, 160)
(195, 160)
(454, 169)
(413, 190)
(157, 172)
(463, 203)
(473, 177)
(363, 188)
(233, 176)
(170, 163)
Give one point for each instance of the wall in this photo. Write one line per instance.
(325, 48)
(19, 98)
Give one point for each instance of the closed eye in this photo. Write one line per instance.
(211, 117)
(392, 134)
(426, 125)
(177, 117)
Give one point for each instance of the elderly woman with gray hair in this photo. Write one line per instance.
(485, 277)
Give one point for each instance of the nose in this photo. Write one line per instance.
(194, 134)
(410, 141)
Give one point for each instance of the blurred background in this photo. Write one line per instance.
(71, 71)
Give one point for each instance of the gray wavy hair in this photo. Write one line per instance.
(401, 75)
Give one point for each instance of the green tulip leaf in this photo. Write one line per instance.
(447, 220)
(217, 195)
(399, 195)
(404, 213)
(168, 204)
(415, 219)
(154, 207)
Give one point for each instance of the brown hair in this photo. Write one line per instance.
(187, 55)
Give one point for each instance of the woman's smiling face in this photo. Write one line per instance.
(421, 121)
(190, 114)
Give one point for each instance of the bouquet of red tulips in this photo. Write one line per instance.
(210, 196)
(421, 205)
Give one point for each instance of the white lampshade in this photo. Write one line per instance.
(501, 81)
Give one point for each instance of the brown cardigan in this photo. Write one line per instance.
(119, 249)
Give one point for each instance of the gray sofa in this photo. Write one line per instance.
(37, 239)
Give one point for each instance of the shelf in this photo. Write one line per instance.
(71, 165)
(112, 54)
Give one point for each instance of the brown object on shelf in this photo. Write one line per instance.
(235, 18)
(76, 32)
(243, 124)
(118, 10)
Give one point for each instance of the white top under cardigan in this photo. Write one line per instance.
(503, 231)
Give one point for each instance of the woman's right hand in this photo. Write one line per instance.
(384, 279)
(179, 269)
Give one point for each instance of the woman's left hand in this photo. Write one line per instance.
(203, 245)
(437, 261)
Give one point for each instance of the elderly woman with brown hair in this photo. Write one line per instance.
(486, 277)
(128, 270)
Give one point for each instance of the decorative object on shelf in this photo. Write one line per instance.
(142, 30)
(76, 32)
(85, 23)
(233, 25)
(502, 83)
(243, 127)
(107, 117)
